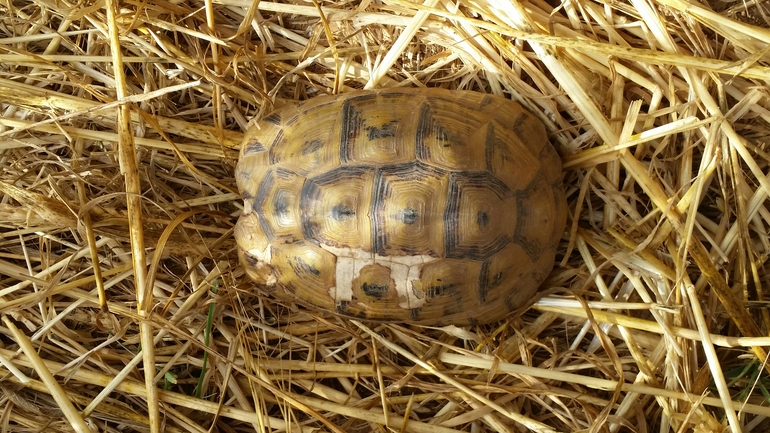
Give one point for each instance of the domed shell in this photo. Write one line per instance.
(425, 206)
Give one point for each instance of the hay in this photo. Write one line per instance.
(118, 136)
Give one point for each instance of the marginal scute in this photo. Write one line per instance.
(536, 214)
(373, 286)
(306, 271)
(427, 206)
(254, 249)
(445, 281)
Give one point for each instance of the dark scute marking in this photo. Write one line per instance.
(380, 192)
(514, 299)
(472, 321)
(533, 251)
(547, 153)
(374, 290)
(273, 157)
(494, 148)
(245, 195)
(350, 127)
(497, 279)
(280, 206)
(408, 216)
(414, 313)
(342, 307)
(311, 146)
(274, 119)
(427, 126)
(436, 291)
(253, 146)
(486, 100)
(309, 193)
(301, 267)
(366, 96)
(517, 127)
(342, 212)
(258, 205)
(242, 173)
(482, 218)
(385, 131)
(453, 249)
(293, 120)
(442, 134)
(483, 287)
(391, 94)
(250, 258)
(520, 237)
(339, 174)
(424, 126)
(451, 217)
(284, 173)
(510, 305)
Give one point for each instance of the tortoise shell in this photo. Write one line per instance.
(426, 206)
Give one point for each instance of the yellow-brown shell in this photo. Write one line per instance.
(425, 206)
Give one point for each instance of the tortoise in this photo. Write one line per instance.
(425, 206)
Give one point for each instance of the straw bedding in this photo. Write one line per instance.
(123, 305)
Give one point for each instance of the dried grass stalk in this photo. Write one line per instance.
(124, 306)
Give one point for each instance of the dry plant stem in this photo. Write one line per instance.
(135, 388)
(399, 46)
(18, 374)
(528, 422)
(200, 150)
(72, 415)
(648, 325)
(696, 249)
(109, 106)
(127, 416)
(712, 359)
(575, 41)
(698, 252)
(594, 383)
(635, 239)
(650, 186)
(128, 166)
(90, 235)
(44, 99)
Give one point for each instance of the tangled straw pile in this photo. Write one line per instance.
(654, 318)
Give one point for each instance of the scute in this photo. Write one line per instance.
(374, 132)
(277, 205)
(407, 210)
(306, 271)
(335, 207)
(304, 148)
(480, 216)
(537, 212)
(426, 206)
(451, 138)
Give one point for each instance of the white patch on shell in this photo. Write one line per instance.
(264, 257)
(403, 270)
